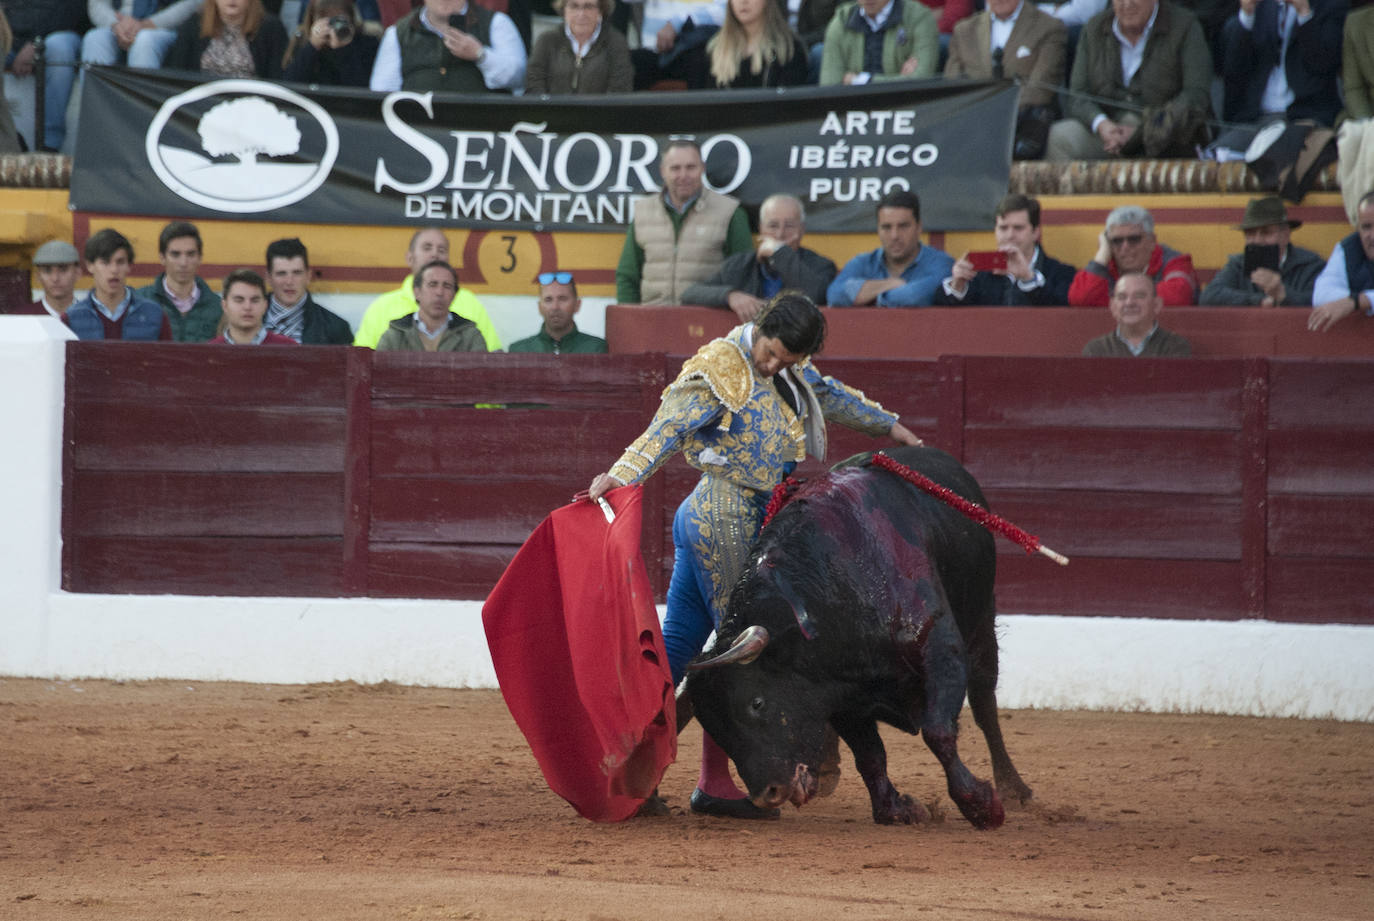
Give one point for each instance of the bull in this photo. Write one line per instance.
(866, 599)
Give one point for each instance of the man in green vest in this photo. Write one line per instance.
(450, 45)
(679, 235)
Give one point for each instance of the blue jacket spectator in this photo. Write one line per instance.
(901, 272)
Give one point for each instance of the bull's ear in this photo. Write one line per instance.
(746, 648)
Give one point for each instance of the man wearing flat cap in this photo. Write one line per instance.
(1266, 223)
(59, 266)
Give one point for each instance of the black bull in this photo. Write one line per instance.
(866, 599)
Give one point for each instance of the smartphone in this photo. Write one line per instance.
(988, 260)
(457, 20)
(1261, 256)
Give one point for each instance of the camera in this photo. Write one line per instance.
(342, 26)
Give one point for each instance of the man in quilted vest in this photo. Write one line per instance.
(680, 234)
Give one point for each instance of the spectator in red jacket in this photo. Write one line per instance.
(1127, 244)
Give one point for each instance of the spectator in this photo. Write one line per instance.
(899, 273)
(112, 310)
(59, 266)
(586, 56)
(1011, 38)
(756, 48)
(679, 235)
(1141, 85)
(330, 48)
(192, 308)
(1127, 244)
(426, 245)
(291, 311)
(452, 45)
(60, 24)
(1357, 63)
(1031, 278)
(746, 281)
(1278, 63)
(9, 137)
(870, 40)
(1135, 308)
(673, 39)
(1266, 223)
(139, 33)
(558, 335)
(245, 303)
(1346, 284)
(433, 327)
(233, 38)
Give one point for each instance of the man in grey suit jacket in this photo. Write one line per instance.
(745, 281)
(1014, 39)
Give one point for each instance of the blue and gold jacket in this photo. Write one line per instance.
(731, 423)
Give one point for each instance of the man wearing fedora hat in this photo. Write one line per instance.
(1266, 222)
(59, 266)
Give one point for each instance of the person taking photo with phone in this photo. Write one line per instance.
(450, 45)
(1271, 272)
(1016, 274)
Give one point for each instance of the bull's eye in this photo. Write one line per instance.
(756, 706)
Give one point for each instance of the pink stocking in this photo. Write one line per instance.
(715, 777)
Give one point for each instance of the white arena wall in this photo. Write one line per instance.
(1106, 663)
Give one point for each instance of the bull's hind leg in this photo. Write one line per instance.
(945, 682)
(982, 700)
(870, 757)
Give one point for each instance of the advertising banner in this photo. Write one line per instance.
(158, 143)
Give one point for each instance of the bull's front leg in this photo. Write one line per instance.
(870, 758)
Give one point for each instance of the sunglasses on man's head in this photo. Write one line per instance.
(548, 278)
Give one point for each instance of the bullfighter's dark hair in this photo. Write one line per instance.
(103, 244)
(794, 320)
(175, 231)
(900, 198)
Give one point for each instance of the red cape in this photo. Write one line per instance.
(575, 639)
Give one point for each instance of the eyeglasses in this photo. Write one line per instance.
(548, 278)
(1130, 239)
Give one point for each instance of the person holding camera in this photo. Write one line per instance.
(230, 38)
(1017, 274)
(450, 45)
(330, 47)
(1271, 272)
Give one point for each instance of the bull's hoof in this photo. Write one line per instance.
(706, 804)
(653, 807)
(902, 811)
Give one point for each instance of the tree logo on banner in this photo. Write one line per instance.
(258, 146)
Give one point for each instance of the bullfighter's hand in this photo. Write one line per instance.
(602, 484)
(903, 435)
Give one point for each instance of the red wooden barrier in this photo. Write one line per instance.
(1216, 489)
(929, 332)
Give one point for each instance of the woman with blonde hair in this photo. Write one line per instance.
(230, 38)
(588, 55)
(755, 47)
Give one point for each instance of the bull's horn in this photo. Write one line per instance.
(745, 649)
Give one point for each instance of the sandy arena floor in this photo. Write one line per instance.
(177, 800)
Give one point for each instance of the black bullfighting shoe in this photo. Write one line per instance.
(706, 804)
